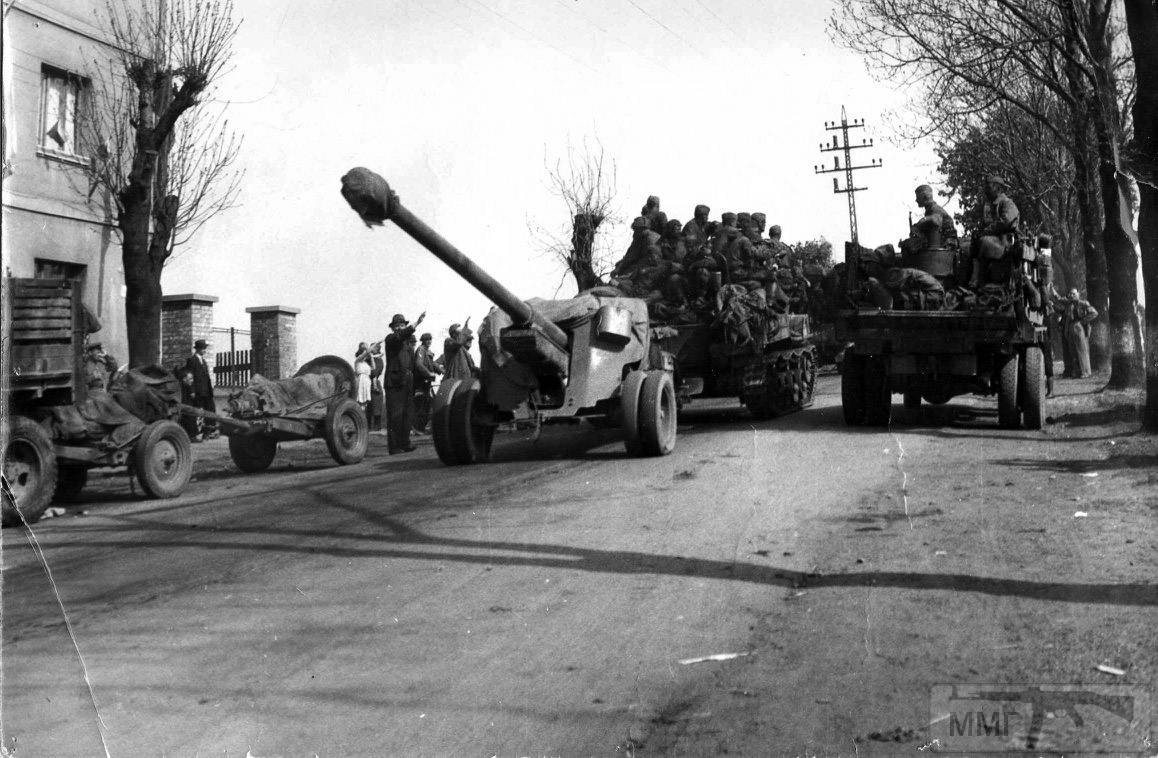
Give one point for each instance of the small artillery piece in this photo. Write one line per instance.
(588, 357)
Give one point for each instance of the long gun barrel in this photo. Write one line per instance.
(372, 199)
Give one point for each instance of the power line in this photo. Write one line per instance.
(532, 35)
(669, 30)
(709, 10)
(609, 33)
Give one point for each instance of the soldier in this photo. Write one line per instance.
(1048, 296)
(99, 367)
(740, 252)
(672, 247)
(1077, 315)
(456, 360)
(644, 250)
(936, 228)
(698, 226)
(425, 372)
(999, 223)
(656, 218)
(399, 383)
(725, 233)
(780, 251)
(760, 220)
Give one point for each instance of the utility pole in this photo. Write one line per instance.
(840, 144)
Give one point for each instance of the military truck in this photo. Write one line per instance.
(973, 344)
(56, 432)
(772, 371)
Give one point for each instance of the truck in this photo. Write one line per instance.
(56, 431)
(934, 355)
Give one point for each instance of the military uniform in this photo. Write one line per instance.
(399, 385)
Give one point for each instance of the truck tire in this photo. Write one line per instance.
(30, 471)
(912, 398)
(1008, 414)
(658, 417)
(163, 459)
(878, 397)
(70, 480)
(471, 442)
(252, 452)
(440, 421)
(346, 431)
(1033, 390)
(629, 397)
(852, 377)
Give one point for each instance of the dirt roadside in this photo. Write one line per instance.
(976, 565)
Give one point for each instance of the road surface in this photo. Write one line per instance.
(545, 604)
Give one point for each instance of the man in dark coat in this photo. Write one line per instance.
(399, 383)
(698, 226)
(201, 393)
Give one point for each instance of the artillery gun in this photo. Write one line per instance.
(542, 360)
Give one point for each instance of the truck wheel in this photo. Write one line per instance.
(912, 398)
(70, 480)
(878, 398)
(346, 431)
(252, 452)
(1008, 415)
(629, 399)
(657, 414)
(30, 471)
(163, 459)
(471, 442)
(852, 377)
(1033, 391)
(937, 396)
(440, 421)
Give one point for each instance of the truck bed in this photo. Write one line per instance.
(877, 331)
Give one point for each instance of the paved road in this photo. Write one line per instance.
(541, 604)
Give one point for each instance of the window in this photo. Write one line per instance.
(61, 95)
(49, 269)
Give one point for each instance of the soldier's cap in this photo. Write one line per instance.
(639, 223)
(758, 216)
(728, 218)
(702, 210)
(775, 230)
(200, 345)
(995, 179)
(95, 346)
(742, 216)
(653, 201)
(426, 337)
(398, 320)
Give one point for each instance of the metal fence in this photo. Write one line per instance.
(233, 368)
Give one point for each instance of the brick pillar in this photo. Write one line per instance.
(273, 335)
(184, 319)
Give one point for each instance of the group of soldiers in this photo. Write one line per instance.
(683, 270)
(402, 370)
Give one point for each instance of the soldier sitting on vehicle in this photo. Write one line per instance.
(999, 226)
(936, 229)
(698, 226)
(644, 252)
(99, 367)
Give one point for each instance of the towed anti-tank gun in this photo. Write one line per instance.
(542, 360)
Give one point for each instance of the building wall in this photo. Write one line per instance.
(46, 212)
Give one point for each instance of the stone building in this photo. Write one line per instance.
(52, 227)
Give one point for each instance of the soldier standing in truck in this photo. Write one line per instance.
(999, 223)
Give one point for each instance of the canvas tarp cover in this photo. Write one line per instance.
(303, 396)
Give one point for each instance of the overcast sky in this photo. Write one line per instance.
(457, 103)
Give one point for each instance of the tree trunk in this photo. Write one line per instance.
(1097, 280)
(1142, 26)
(142, 288)
(581, 261)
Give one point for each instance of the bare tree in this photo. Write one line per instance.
(961, 60)
(163, 155)
(584, 180)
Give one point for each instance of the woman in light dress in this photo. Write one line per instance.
(362, 372)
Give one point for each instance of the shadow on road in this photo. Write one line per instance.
(399, 540)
